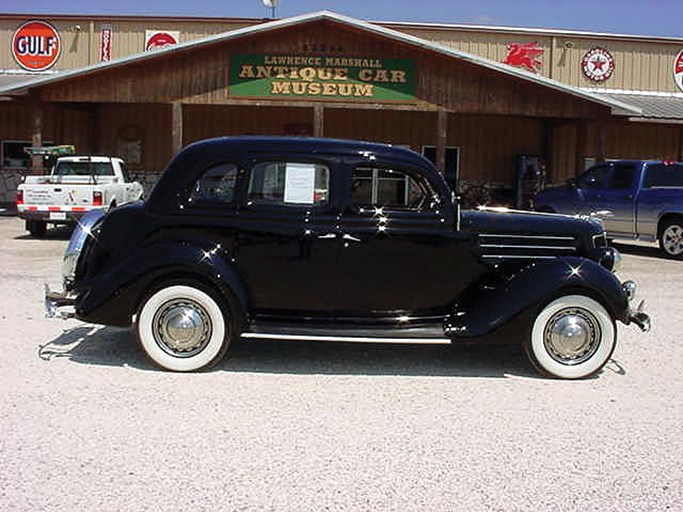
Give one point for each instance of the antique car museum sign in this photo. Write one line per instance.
(350, 78)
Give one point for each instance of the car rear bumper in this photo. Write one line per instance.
(53, 214)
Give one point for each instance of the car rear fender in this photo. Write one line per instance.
(497, 300)
(115, 296)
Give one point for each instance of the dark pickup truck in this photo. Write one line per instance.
(329, 240)
(637, 200)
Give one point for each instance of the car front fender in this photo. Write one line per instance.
(509, 296)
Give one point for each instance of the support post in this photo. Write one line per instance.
(441, 139)
(318, 120)
(600, 157)
(176, 127)
(37, 139)
(581, 139)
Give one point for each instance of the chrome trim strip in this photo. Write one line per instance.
(537, 237)
(353, 339)
(517, 256)
(548, 247)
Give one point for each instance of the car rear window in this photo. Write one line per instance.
(216, 185)
(664, 175)
(84, 169)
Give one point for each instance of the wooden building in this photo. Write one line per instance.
(329, 75)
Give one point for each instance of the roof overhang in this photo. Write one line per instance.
(617, 107)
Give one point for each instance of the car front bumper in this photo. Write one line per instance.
(637, 315)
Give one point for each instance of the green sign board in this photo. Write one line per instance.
(322, 77)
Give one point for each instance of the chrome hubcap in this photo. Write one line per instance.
(672, 240)
(572, 336)
(182, 328)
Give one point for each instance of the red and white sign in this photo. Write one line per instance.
(597, 64)
(155, 39)
(36, 45)
(105, 43)
(525, 55)
(678, 70)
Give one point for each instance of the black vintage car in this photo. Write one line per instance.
(319, 239)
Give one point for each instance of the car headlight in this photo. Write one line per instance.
(610, 259)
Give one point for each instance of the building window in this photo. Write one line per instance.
(13, 155)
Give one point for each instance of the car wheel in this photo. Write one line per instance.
(37, 228)
(184, 327)
(671, 239)
(571, 338)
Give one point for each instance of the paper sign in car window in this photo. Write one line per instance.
(300, 183)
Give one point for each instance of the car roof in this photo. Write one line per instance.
(312, 145)
(195, 158)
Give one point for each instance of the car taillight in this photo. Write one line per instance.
(97, 198)
(20, 197)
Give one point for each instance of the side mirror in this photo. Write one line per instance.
(572, 183)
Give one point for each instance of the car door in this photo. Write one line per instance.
(615, 202)
(398, 246)
(589, 186)
(285, 247)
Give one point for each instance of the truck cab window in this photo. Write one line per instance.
(594, 178)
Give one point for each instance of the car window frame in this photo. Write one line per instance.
(214, 205)
(411, 171)
(295, 158)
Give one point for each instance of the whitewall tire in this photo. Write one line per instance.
(571, 338)
(183, 328)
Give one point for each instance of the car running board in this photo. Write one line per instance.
(431, 334)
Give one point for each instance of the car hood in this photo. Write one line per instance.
(510, 222)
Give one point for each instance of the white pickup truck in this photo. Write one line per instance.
(76, 185)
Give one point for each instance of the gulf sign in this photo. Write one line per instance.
(36, 45)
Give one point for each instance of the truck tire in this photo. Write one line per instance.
(37, 228)
(671, 238)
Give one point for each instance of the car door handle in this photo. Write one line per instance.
(351, 238)
(327, 236)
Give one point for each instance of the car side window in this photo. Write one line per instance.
(622, 177)
(595, 178)
(390, 188)
(289, 184)
(664, 175)
(216, 185)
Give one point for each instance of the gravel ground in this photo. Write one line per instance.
(88, 424)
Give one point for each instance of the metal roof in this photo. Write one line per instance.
(617, 107)
(654, 106)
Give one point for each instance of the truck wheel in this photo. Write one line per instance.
(671, 238)
(572, 337)
(37, 228)
(184, 327)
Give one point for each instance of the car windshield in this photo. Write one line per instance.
(84, 169)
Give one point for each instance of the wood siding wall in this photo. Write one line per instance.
(641, 64)
(61, 125)
(638, 141)
(81, 36)
(201, 77)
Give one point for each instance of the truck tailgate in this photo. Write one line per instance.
(58, 195)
